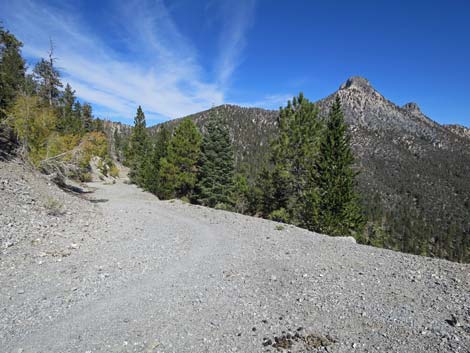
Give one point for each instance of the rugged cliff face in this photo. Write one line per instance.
(117, 134)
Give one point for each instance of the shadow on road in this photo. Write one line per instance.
(98, 200)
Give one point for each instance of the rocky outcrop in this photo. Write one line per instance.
(117, 133)
(459, 130)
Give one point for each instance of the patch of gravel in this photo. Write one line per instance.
(164, 276)
(33, 210)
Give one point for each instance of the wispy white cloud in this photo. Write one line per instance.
(273, 101)
(153, 65)
(237, 18)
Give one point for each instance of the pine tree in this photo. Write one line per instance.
(77, 117)
(167, 179)
(97, 125)
(263, 193)
(68, 122)
(87, 117)
(178, 172)
(216, 172)
(241, 193)
(157, 153)
(48, 78)
(12, 69)
(339, 210)
(138, 148)
(293, 156)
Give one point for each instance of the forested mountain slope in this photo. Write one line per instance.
(251, 131)
(413, 172)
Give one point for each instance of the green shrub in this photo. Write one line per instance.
(279, 215)
(114, 171)
(222, 206)
(54, 207)
(85, 177)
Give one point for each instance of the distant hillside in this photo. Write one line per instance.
(251, 130)
(413, 171)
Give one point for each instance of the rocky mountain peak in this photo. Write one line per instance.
(357, 82)
(412, 107)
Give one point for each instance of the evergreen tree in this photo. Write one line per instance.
(77, 115)
(87, 117)
(48, 78)
(263, 193)
(339, 211)
(272, 191)
(30, 86)
(167, 179)
(97, 125)
(216, 172)
(241, 193)
(12, 69)
(178, 172)
(290, 188)
(138, 148)
(68, 122)
(157, 153)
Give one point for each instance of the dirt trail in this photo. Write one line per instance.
(153, 276)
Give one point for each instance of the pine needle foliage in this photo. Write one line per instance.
(290, 178)
(138, 148)
(179, 170)
(152, 166)
(339, 210)
(216, 168)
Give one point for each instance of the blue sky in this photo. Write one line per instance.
(179, 57)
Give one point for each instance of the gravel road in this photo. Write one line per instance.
(130, 273)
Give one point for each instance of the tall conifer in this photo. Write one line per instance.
(158, 151)
(216, 173)
(138, 148)
(12, 69)
(178, 172)
(293, 158)
(339, 211)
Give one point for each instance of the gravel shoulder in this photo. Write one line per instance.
(117, 270)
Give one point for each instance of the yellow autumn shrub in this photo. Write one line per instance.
(33, 124)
